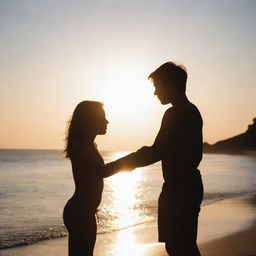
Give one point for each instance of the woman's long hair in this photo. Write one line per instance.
(81, 123)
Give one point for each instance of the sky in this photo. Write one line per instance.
(56, 53)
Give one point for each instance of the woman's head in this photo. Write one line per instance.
(87, 121)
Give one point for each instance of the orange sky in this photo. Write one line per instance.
(54, 55)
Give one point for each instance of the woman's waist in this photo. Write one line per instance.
(85, 196)
(83, 204)
(88, 189)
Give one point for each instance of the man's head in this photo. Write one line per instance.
(169, 81)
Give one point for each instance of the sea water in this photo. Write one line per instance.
(35, 185)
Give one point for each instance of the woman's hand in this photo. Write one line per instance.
(120, 165)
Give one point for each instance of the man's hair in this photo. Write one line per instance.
(170, 72)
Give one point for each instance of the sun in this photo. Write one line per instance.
(128, 91)
(130, 105)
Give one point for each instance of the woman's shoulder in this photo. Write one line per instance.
(81, 148)
(85, 156)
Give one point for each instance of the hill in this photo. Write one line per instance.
(239, 144)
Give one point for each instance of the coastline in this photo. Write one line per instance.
(227, 227)
(234, 153)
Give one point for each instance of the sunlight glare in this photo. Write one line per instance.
(126, 192)
(125, 197)
(126, 244)
(128, 91)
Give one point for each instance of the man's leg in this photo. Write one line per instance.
(182, 238)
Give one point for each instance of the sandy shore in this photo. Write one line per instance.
(226, 228)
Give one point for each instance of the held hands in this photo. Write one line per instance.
(124, 163)
(129, 162)
(120, 165)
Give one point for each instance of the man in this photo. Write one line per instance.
(179, 146)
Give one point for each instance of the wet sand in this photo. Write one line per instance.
(226, 228)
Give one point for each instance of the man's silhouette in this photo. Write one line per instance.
(178, 145)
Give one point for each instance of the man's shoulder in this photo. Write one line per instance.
(194, 108)
(187, 112)
(169, 113)
(188, 109)
(194, 113)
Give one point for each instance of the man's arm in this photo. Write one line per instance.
(119, 165)
(161, 146)
(142, 157)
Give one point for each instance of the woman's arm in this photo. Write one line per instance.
(120, 165)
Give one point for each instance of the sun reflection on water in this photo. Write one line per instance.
(123, 202)
(126, 197)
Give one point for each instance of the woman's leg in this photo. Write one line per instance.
(82, 237)
(80, 245)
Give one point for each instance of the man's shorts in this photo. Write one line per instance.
(178, 212)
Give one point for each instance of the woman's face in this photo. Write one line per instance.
(101, 122)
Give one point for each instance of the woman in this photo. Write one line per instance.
(88, 168)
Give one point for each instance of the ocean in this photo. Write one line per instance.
(36, 184)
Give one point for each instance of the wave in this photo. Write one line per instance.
(210, 198)
(16, 240)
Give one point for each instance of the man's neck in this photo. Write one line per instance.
(179, 101)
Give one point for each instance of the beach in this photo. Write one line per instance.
(226, 228)
(38, 184)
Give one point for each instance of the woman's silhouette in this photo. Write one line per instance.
(88, 168)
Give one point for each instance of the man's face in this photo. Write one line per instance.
(162, 91)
